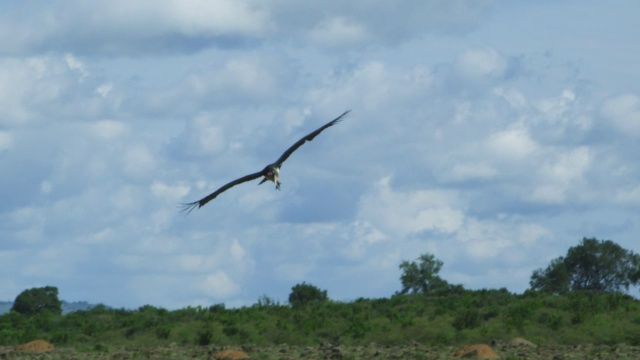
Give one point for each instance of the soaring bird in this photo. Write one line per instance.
(271, 172)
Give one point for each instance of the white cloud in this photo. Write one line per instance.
(219, 285)
(46, 187)
(17, 82)
(372, 85)
(401, 213)
(360, 239)
(254, 78)
(499, 165)
(471, 171)
(125, 198)
(358, 24)
(104, 89)
(624, 113)
(210, 137)
(76, 65)
(476, 64)
(513, 144)
(629, 195)
(144, 27)
(508, 242)
(140, 27)
(237, 251)
(139, 161)
(110, 129)
(6, 140)
(40, 88)
(562, 175)
(514, 97)
(558, 106)
(246, 76)
(171, 192)
(99, 237)
(293, 272)
(339, 32)
(28, 223)
(196, 17)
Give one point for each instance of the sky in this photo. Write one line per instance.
(494, 135)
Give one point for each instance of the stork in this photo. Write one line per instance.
(271, 172)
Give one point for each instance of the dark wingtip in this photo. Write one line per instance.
(340, 118)
(187, 208)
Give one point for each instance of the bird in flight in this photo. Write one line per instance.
(271, 172)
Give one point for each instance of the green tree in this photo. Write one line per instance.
(421, 277)
(304, 293)
(37, 300)
(592, 265)
(554, 279)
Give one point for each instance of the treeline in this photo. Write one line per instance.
(458, 317)
(577, 299)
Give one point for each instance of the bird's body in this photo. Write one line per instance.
(271, 172)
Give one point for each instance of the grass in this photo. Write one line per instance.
(443, 320)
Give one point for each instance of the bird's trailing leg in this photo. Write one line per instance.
(278, 185)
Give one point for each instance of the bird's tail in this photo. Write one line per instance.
(263, 180)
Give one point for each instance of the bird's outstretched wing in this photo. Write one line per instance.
(188, 207)
(309, 137)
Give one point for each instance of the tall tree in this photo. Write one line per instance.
(36, 300)
(304, 293)
(592, 265)
(421, 277)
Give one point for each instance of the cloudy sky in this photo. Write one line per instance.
(491, 134)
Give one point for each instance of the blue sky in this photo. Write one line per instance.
(492, 134)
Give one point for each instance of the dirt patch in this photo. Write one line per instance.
(478, 351)
(520, 342)
(231, 354)
(35, 346)
(543, 351)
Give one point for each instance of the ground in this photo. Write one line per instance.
(372, 351)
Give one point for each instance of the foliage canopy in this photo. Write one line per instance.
(453, 316)
(36, 300)
(593, 265)
(421, 277)
(303, 294)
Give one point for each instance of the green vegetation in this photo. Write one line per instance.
(304, 294)
(592, 265)
(427, 311)
(421, 277)
(446, 319)
(37, 300)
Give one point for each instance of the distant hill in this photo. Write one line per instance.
(67, 307)
(5, 306)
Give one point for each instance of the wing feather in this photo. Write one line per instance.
(308, 137)
(189, 207)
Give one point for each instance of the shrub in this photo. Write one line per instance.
(466, 319)
(303, 294)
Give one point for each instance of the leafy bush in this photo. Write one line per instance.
(303, 294)
(204, 337)
(444, 319)
(37, 300)
(466, 319)
(593, 265)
